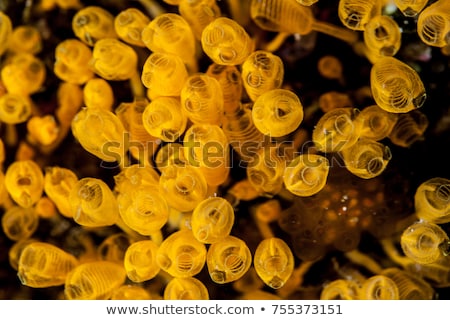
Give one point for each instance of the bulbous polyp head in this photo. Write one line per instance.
(129, 24)
(15, 108)
(93, 23)
(114, 60)
(262, 71)
(212, 220)
(228, 260)
(432, 200)
(379, 287)
(164, 74)
(226, 42)
(181, 254)
(433, 24)
(140, 261)
(306, 174)
(184, 186)
(341, 289)
(164, 118)
(19, 223)
(396, 87)
(24, 182)
(410, 8)
(277, 112)
(94, 280)
(170, 33)
(382, 36)
(202, 99)
(355, 14)
(274, 262)
(336, 130)
(44, 265)
(377, 123)
(366, 158)
(425, 242)
(185, 289)
(143, 209)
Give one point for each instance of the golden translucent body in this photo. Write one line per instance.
(306, 174)
(262, 71)
(290, 17)
(377, 123)
(340, 290)
(94, 281)
(181, 255)
(24, 182)
(141, 145)
(410, 286)
(212, 220)
(6, 29)
(382, 36)
(433, 24)
(19, 223)
(378, 287)
(15, 108)
(130, 292)
(93, 204)
(265, 173)
(143, 209)
(164, 118)
(242, 133)
(15, 251)
(228, 260)
(93, 23)
(100, 132)
(113, 247)
(43, 130)
(185, 289)
(114, 60)
(409, 128)
(97, 93)
(183, 186)
(206, 147)
(226, 42)
(366, 158)
(129, 24)
(140, 261)
(135, 176)
(355, 14)
(336, 130)
(202, 99)
(396, 87)
(425, 242)
(23, 74)
(432, 200)
(25, 38)
(277, 112)
(164, 74)
(72, 58)
(230, 81)
(268, 211)
(170, 33)
(274, 262)
(58, 182)
(410, 8)
(199, 13)
(44, 265)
